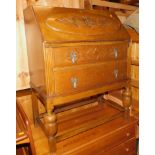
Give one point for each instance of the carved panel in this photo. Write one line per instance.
(82, 22)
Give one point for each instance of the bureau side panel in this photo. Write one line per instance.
(35, 50)
(49, 77)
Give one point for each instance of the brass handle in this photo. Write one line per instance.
(74, 82)
(73, 57)
(115, 53)
(116, 73)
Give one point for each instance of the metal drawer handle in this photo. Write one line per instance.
(116, 73)
(74, 82)
(115, 53)
(73, 57)
(128, 134)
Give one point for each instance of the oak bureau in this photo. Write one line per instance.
(74, 55)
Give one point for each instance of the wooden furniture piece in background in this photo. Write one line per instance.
(130, 2)
(134, 75)
(73, 62)
(23, 130)
(41, 141)
(134, 63)
(121, 10)
(125, 7)
(114, 137)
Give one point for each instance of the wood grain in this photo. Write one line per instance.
(88, 54)
(23, 129)
(85, 79)
(98, 63)
(113, 5)
(52, 24)
(97, 139)
(41, 141)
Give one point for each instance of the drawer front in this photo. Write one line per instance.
(127, 148)
(66, 56)
(104, 144)
(70, 80)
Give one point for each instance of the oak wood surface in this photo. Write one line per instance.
(134, 35)
(113, 5)
(85, 79)
(127, 148)
(52, 24)
(23, 129)
(116, 96)
(88, 54)
(42, 76)
(97, 139)
(135, 83)
(60, 100)
(98, 63)
(23, 92)
(135, 62)
(86, 119)
(135, 69)
(41, 141)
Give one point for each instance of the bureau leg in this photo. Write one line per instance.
(127, 102)
(51, 129)
(35, 108)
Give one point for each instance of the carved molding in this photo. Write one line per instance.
(83, 23)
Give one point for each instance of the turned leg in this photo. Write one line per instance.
(51, 129)
(127, 102)
(35, 108)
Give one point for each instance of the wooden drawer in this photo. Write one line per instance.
(95, 142)
(127, 148)
(66, 56)
(70, 80)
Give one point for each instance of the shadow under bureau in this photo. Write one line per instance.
(75, 56)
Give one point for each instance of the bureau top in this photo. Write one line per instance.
(63, 25)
